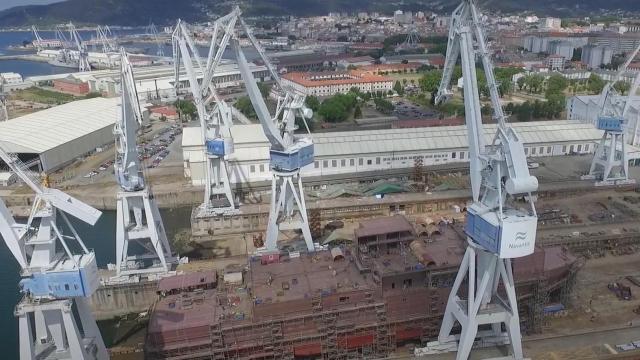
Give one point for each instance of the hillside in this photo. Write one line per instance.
(140, 12)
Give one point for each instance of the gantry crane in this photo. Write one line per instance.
(289, 152)
(83, 54)
(38, 41)
(153, 31)
(4, 114)
(215, 124)
(610, 164)
(54, 316)
(498, 229)
(138, 217)
(104, 36)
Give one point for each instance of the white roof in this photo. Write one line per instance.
(445, 137)
(251, 144)
(243, 135)
(191, 136)
(47, 129)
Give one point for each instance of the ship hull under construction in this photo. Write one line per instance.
(362, 301)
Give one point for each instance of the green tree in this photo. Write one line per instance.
(577, 54)
(398, 88)
(595, 84)
(556, 84)
(430, 81)
(622, 87)
(534, 82)
(357, 112)
(312, 102)
(264, 89)
(521, 83)
(246, 107)
(186, 109)
(383, 105)
(337, 108)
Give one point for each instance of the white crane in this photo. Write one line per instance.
(215, 124)
(104, 36)
(138, 217)
(498, 229)
(38, 41)
(54, 279)
(83, 54)
(289, 153)
(4, 114)
(153, 31)
(610, 164)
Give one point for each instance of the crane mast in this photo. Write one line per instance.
(83, 54)
(56, 283)
(4, 114)
(137, 214)
(288, 153)
(215, 124)
(498, 227)
(154, 32)
(610, 164)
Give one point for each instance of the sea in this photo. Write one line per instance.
(10, 39)
(100, 238)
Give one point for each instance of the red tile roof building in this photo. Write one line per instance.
(334, 82)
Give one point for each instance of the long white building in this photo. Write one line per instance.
(352, 152)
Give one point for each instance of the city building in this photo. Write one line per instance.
(159, 112)
(335, 82)
(562, 48)
(551, 23)
(555, 62)
(595, 56)
(619, 43)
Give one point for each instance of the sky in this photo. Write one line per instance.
(5, 4)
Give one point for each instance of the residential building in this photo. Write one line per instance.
(595, 55)
(555, 62)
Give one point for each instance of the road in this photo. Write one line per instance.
(587, 345)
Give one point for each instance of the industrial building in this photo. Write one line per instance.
(57, 136)
(353, 152)
(153, 82)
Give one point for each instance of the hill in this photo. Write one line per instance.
(141, 12)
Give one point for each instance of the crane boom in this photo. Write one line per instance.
(127, 166)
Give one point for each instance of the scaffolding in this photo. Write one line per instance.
(539, 298)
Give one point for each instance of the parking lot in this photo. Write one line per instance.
(158, 144)
(407, 110)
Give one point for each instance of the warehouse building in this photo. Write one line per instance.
(354, 152)
(51, 138)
